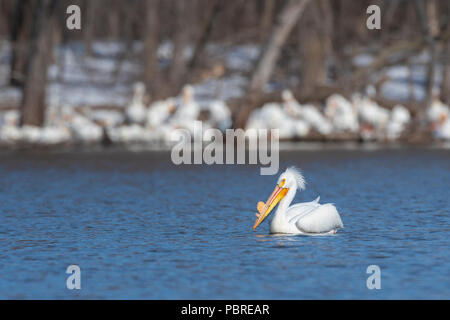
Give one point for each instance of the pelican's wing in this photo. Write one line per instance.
(299, 210)
(323, 218)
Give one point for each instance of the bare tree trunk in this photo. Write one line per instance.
(431, 30)
(410, 80)
(445, 86)
(215, 7)
(113, 19)
(39, 55)
(314, 43)
(124, 33)
(431, 70)
(88, 25)
(151, 41)
(19, 33)
(266, 18)
(389, 10)
(287, 19)
(178, 67)
(286, 22)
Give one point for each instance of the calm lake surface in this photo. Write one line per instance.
(141, 227)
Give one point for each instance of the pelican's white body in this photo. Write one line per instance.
(187, 112)
(443, 130)
(136, 112)
(370, 112)
(303, 218)
(272, 116)
(311, 116)
(437, 111)
(160, 112)
(220, 115)
(342, 113)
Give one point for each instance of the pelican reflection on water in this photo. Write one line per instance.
(301, 218)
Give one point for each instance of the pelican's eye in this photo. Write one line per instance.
(281, 184)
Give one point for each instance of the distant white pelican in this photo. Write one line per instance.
(136, 112)
(308, 112)
(189, 108)
(437, 111)
(220, 115)
(302, 218)
(398, 120)
(438, 114)
(371, 113)
(272, 116)
(160, 112)
(342, 113)
(188, 111)
(442, 128)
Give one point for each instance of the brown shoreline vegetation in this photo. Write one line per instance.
(307, 46)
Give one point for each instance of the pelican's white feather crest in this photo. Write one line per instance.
(297, 174)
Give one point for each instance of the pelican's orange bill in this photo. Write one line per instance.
(278, 193)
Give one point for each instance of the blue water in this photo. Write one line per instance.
(140, 227)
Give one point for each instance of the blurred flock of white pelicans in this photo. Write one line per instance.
(140, 123)
(360, 115)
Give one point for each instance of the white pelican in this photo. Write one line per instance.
(31, 134)
(302, 218)
(84, 130)
(187, 112)
(290, 104)
(256, 121)
(10, 132)
(189, 108)
(400, 117)
(160, 111)
(272, 116)
(136, 112)
(437, 111)
(220, 115)
(308, 112)
(370, 112)
(342, 113)
(442, 128)
(54, 135)
(11, 118)
(438, 115)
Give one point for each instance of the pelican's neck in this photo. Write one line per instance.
(286, 201)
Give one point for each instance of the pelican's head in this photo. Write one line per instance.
(292, 178)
